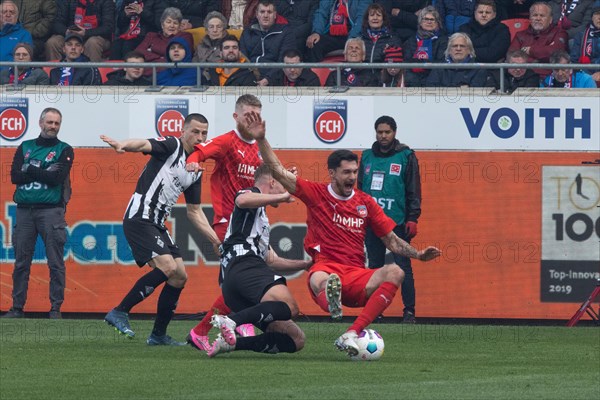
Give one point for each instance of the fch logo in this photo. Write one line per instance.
(329, 120)
(13, 118)
(170, 115)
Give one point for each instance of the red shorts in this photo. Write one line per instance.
(354, 281)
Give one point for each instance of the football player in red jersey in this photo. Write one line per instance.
(337, 218)
(237, 157)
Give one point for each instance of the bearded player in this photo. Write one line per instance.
(337, 218)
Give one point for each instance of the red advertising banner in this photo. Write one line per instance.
(483, 209)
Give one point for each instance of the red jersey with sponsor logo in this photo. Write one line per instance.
(236, 160)
(337, 225)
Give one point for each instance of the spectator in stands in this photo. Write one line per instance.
(266, 41)
(135, 18)
(586, 45)
(354, 52)
(130, 76)
(294, 76)
(239, 13)
(23, 52)
(392, 76)
(403, 14)
(178, 51)
(541, 38)
(194, 11)
(69, 76)
(334, 22)
(455, 13)
(377, 34)
(515, 78)
(565, 77)
(37, 16)
(459, 51)
(571, 15)
(209, 49)
(427, 46)
(230, 53)
(11, 31)
(154, 45)
(93, 20)
(299, 14)
(490, 37)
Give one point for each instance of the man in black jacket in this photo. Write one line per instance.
(294, 76)
(69, 76)
(133, 76)
(266, 41)
(515, 78)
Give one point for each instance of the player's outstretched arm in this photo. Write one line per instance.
(286, 266)
(257, 128)
(254, 200)
(399, 246)
(129, 145)
(200, 222)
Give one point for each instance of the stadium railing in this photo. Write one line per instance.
(337, 66)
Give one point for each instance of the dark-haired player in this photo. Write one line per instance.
(163, 180)
(338, 216)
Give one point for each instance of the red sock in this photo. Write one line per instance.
(379, 301)
(218, 307)
(322, 301)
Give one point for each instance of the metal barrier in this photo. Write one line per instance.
(336, 66)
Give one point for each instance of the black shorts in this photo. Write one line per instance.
(246, 280)
(148, 240)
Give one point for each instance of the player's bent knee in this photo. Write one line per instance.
(299, 340)
(394, 274)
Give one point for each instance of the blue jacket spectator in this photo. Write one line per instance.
(566, 77)
(455, 13)
(334, 22)
(178, 51)
(11, 31)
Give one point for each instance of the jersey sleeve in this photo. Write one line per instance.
(380, 223)
(211, 149)
(193, 193)
(306, 191)
(163, 147)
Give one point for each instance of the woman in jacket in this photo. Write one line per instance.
(23, 52)
(428, 45)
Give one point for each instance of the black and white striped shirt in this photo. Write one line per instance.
(248, 232)
(163, 179)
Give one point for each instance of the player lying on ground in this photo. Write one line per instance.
(251, 288)
(338, 216)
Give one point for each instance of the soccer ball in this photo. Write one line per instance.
(370, 346)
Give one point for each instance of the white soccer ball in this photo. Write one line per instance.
(370, 346)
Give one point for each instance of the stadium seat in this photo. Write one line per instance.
(198, 34)
(322, 73)
(516, 25)
(104, 71)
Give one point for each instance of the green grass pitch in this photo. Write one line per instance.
(86, 359)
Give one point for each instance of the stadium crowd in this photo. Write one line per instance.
(361, 31)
